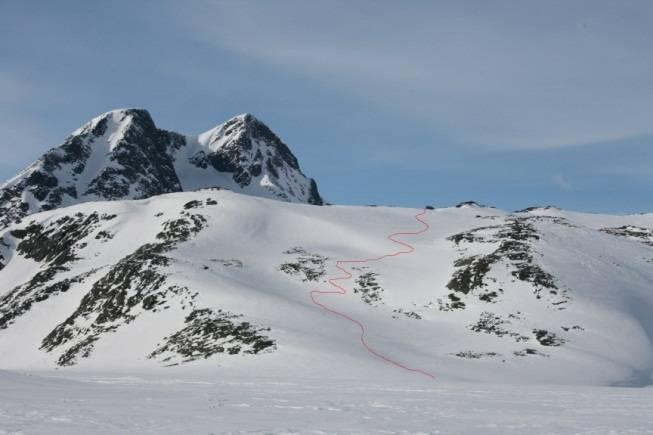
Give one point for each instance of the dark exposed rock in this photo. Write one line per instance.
(529, 351)
(209, 332)
(104, 235)
(515, 248)
(5, 245)
(467, 203)
(547, 338)
(38, 289)
(490, 323)
(470, 354)
(572, 328)
(369, 289)
(56, 243)
(180, 230)
(406, 313)
(455, 303)
(643, 235)
(471, 273)
(199, 204)
(314, 196)
(312, 267)
(490, 296)
(472, 235)
(228, 263)
(471, 204)
(135, 283)
(143, 162)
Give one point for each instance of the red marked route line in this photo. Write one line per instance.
(347, 275)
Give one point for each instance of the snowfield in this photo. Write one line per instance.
(31, 404)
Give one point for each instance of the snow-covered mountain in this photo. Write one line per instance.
(138, 249)
(217, 281)
(123, 155)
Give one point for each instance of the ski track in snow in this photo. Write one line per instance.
(347, 275)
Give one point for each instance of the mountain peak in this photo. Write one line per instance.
(472, 204)
(239, 124)
(121, 154)
(134, 112)
(255, 156)
(243, 132)
(247, 117)
(98, 125)
(135, 116)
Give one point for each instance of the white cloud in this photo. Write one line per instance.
(500, 74)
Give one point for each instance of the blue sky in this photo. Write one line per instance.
(510, 103)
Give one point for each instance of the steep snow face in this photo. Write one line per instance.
(123, 155)
(214, 281)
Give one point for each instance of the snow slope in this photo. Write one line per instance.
(157, 286)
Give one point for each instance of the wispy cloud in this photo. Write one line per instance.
(561, 182)
(500, 74)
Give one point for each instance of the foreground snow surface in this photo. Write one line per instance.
(41, 403)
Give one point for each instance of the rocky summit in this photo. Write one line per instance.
(122, 154)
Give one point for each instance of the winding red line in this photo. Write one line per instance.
(347, 275)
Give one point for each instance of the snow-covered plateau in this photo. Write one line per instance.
(165, 294)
